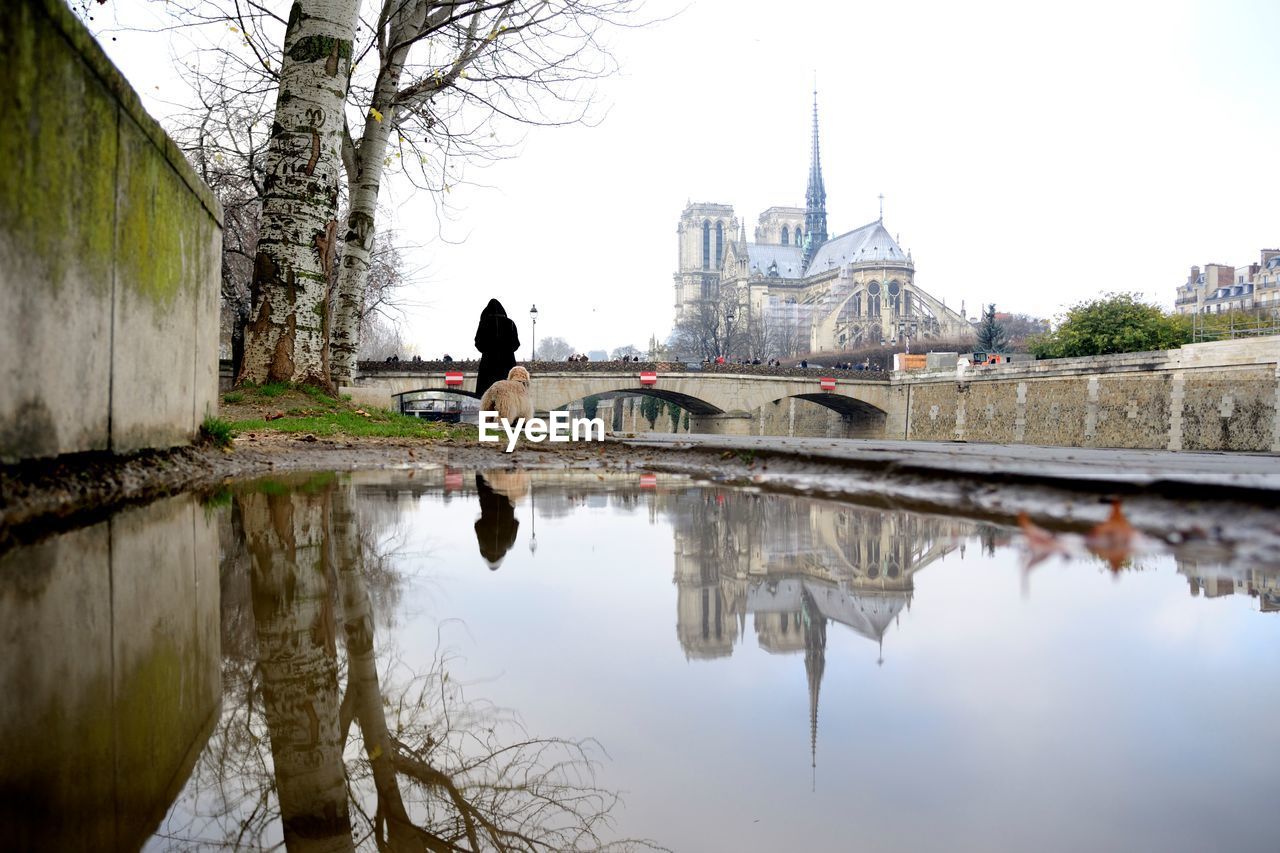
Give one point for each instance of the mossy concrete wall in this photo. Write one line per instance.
(109, 254)
(111, 676)
(1212, 396)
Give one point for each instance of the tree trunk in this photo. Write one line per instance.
(297, 658)
(364, 691)
(364, 178)
(287, 339)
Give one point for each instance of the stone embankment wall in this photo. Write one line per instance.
(109, 254)
(1212, 396)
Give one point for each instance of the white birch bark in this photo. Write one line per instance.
(286, 339)
(298, 662)
(365, 166)
(364, 179)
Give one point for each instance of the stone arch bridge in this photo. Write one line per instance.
(717, 402)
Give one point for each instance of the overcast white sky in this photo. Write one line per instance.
(1030, 154)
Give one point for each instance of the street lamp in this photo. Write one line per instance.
(533, 315)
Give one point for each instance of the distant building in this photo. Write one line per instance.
(813, 292)
(1220, 288)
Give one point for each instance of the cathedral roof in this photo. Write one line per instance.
(870, 613)
(761, 256)
(870, 243)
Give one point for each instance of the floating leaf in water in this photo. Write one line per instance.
(1113, 540)
(1041, 544)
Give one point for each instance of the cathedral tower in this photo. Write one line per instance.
(815, 197)
(704, 232)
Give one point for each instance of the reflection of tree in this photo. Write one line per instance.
(288, 538)
(397, 760)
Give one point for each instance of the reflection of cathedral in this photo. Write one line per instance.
(794, 565)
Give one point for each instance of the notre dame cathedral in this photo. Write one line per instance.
(810, 292)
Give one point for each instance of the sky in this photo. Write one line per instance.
(1031, 155)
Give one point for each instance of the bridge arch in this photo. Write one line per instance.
(460, 391)
(694, 405)
(842, 403)
(832, 414)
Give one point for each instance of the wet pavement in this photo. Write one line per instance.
(1095, 467)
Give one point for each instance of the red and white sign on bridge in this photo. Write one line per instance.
(453, 378)
(828, 383)
(648, 377)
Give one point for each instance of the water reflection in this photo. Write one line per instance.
(325, 743)
(109, 676)
(497, 526)
(341, 726)
(1214, 581)
(788, 562)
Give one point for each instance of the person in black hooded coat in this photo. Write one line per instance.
(497, 340)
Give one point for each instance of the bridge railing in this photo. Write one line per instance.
(373, 368)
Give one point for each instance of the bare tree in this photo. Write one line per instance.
(626, 352)
(224, 136)
(380, 340)
(442, 76)
(428, 85)
(1020, 327)
(759, 339)
(711, 327)
(554, 349)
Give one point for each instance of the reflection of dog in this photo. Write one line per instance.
(509, 397)
(513, 484)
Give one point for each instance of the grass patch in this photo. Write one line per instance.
(217, 431)
(274, 389)
(308, 409)
(319, 396)
(233, 397)
(217, 500)
(378, 423)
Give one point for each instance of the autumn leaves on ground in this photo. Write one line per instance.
(304, 410)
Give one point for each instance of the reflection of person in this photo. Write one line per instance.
(497, 340)
(497, 525)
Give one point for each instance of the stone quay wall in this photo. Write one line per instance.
(109, 254)
(1213, 396)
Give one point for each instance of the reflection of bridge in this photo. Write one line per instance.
(717, 402)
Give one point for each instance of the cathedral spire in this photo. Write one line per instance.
(815, 661)
(815, 196)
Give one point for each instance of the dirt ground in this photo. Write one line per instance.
(70, 490)
(38, 498)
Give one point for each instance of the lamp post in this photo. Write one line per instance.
(533, 315)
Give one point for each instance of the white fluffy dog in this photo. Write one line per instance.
(509, 397)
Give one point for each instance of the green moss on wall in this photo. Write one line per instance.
(58, 146)
(161, 225)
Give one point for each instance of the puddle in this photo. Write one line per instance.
(400, 659)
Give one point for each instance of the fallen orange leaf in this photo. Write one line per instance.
(1041, 544)
(1113, 539)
